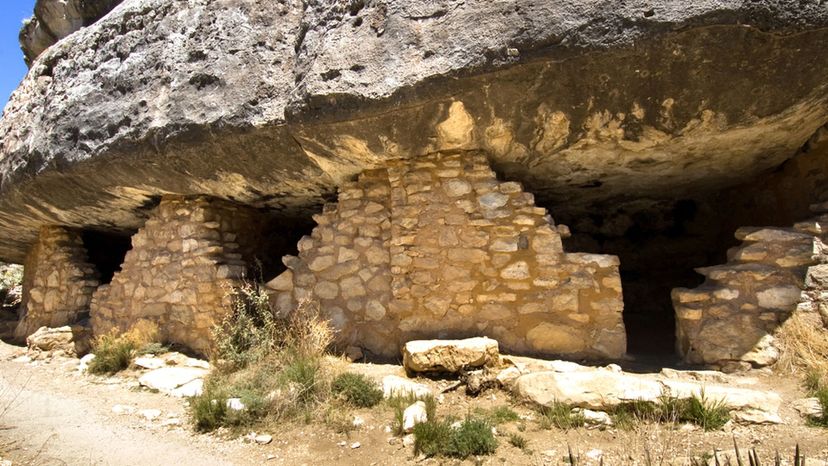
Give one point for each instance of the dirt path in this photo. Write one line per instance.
(48, 415)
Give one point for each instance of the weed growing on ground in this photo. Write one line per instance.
(560, 415)
(818, 388)
(274, 365)
(357, 390)
(702, 411)
(472, 436)
(497, 415)
(114, 351)
(518, 441)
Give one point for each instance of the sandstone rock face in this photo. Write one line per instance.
(56, 19)
(58, 282)
(450, 355)
(439, 248)
(275, 104)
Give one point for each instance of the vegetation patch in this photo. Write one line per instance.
(560, 415)
(497, 415)
(114, 351)
(472, 436)
(273, 365)
(357, 390)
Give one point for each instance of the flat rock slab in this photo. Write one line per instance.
(168, 379)
(450, 355)
(604, 388)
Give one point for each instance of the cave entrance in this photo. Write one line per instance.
(659, 245)
(661, 241)
(106, 251)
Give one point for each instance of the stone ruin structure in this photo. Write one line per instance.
(143, 174)
(437, 247)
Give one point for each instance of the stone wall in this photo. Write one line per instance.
(58, 281)
(180, 271)
(733, 315)
(437, 247)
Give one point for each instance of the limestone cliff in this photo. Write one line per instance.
(274, 104)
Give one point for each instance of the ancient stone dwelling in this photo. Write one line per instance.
(399, 164)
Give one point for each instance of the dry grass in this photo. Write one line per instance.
(274, 364)
(804, 343)
(114, 351)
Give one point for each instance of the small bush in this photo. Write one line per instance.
(560, 415)
(432, 438)
(473, 437)
(438, 438)
(518, 441)
(152, 348)
(304, 373)
(357, 390)
(208, 410)
(709, 414)
(112, 354)
(821, 395)
(626, 415)
(249, 330)
(498, 415)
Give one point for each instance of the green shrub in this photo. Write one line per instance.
(357, 390)
(208, 410)
(249, 330)
(626, 415)
(821, 420)
(438, 438)
(432, 438)
(709, 414)
(113, 351)
(560, 415)
(153, 348)
(497, 415)
(518, 441)
(304, 373)
(473, 437)
(112, 354)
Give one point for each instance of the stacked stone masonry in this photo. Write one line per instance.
(732, 316)
(180, 272)
(58, 281)
(437, 247)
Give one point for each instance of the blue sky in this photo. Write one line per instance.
(12, 67)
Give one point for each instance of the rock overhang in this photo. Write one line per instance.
(275, 106)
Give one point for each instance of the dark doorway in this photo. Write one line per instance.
(106, 251)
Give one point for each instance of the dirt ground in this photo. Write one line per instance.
(52, 414)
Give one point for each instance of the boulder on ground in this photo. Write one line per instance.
(413, 415)
(450, 355)
(72, 340)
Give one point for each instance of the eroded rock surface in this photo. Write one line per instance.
(56, 19)
(605, 388)
(275, 105)
(450, 355)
